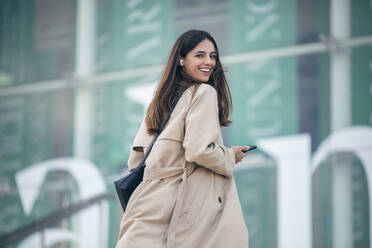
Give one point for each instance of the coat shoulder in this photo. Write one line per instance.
(206, 89)
(202, 93)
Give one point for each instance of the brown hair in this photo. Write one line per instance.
(174, 78)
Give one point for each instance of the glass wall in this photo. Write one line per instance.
(77, 76)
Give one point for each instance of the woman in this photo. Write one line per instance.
(188, 196)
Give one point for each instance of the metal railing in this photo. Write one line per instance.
(47, 221)
(326, 44)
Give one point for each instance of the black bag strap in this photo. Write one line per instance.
(148, 150)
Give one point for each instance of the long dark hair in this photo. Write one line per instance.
(174, 77)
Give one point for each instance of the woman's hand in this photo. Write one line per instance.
(239, 155)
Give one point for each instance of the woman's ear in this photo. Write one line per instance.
(181, 62)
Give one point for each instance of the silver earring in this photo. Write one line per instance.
(181, 61)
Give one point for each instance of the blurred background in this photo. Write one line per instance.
(76, 77)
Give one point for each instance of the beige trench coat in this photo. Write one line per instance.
(188, 197)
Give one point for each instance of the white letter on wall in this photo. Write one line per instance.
(356, 140)
(292, 154)
(90, 183)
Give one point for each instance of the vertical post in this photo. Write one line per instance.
(42, 239)
(85, 58)
(101, 225)
(342, 224)
(340, 66)
(341, 117)
(84, 62)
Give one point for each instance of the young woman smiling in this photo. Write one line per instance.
(188, 196)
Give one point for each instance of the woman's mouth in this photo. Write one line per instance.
(205, 71)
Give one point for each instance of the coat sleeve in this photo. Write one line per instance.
(203, 140)
(139, 146)
(134, 159)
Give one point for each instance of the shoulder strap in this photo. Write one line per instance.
(142, 163)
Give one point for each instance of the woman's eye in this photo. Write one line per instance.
(214, 56)
(199, 55)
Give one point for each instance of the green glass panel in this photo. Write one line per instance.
(25, 127)
(264, 92)
(361, 61)
(36, 45)
(257, 187)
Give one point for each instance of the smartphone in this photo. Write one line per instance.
(250, 148)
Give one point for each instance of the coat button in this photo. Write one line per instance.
(219, 199)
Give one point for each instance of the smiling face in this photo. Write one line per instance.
(200, 61)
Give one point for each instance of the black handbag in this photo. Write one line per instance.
(127, 184)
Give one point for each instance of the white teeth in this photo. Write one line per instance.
(206, 70)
